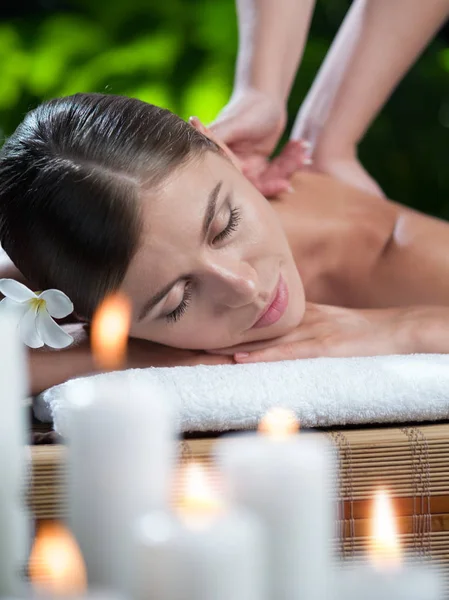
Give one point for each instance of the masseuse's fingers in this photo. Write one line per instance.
(272, 178)
(270, 189)
(275, 179)
(294, 156)
(269, 186)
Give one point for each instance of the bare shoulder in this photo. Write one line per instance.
(337, 233)
(415, 266)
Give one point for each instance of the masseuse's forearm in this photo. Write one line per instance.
(272, 35)
(384, 38)
(316, 107)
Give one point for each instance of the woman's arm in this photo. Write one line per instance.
(338, 332)
(272, 34)
(376, 45)
(49, 367)
(317, 105)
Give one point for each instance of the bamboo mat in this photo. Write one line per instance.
(411, 462)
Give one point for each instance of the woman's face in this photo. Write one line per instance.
(211, 258)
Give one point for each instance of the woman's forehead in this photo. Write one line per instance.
(191, 181)
(173, 221)
(179, 206)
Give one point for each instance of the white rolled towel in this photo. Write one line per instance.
(321, 391)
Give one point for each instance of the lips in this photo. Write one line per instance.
(276, 308)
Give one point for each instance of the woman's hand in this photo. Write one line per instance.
(335, 331)
(251, 125)
(347, 169)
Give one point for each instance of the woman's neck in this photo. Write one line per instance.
(337, 235)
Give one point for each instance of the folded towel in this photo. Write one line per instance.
(321, 391)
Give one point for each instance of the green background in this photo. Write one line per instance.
(180, 54)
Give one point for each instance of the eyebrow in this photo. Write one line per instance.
(207, 220)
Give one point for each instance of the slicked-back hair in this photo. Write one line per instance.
(71, 177)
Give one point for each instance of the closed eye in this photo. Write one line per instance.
(176, 314)
(234, 219)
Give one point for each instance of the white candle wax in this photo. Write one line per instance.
(121, 454)
(90, 594)
(414, 582)
(216, 558)
(385, 576)
(14, 519)
(288, 483)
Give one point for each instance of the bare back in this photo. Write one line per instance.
(358, 250)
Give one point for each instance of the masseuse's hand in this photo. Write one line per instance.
(251, 125)
(346, 168)
(335, 331)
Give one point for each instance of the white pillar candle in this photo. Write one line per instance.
(384, 576)
(121, 454)
(57, 568)
(287, 480)
(205, 552)
(14, 519)
(414, 582)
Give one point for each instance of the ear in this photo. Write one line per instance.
(196, 123)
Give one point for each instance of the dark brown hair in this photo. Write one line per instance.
(70, 180)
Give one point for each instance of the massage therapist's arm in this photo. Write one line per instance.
(376, 45)
(384, 38)
(272, 34)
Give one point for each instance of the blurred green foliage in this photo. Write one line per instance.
(180, 54)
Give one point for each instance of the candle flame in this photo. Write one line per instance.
(385, 547)
(279, 423)
(198, 496)
(56, 566)
(110, 328)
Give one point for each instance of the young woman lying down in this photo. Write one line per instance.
(101, 193)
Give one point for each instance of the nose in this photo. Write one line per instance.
(231, 283)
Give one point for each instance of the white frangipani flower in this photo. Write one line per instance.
(34, 312)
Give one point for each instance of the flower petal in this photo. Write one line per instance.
(14, 310)
(28, 330)
(9, 305)
(51, 333)
(58, 304)
(15, 291)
